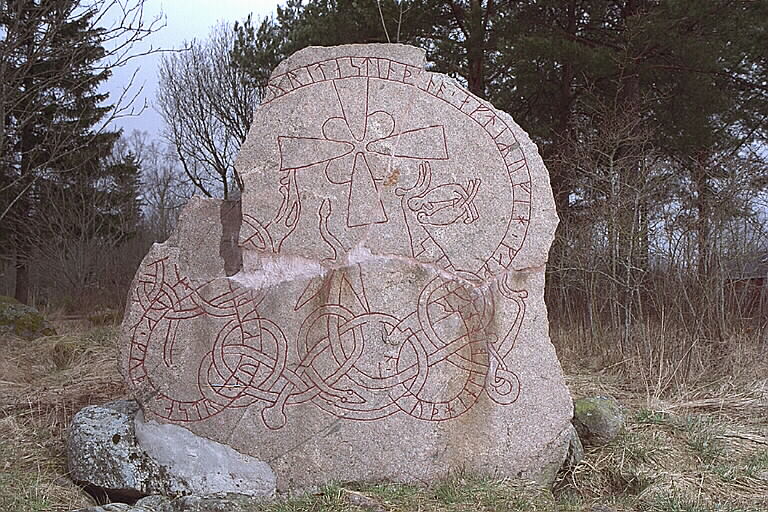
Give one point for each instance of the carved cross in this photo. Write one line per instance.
(356, 147)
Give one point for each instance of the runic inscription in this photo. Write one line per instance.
(254, 361)
(363, 145)
(372, 308)
(352, 148)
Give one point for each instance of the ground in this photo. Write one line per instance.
(696, 448)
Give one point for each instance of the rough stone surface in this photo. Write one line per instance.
(200, 466)
(102, 450)
(112, 450)
(113, 507)
(22, 320)
(211, 504)
(373, 310)
(159, 503)
(575, 450)
(598, 420)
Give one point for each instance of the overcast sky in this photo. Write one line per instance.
(185, 20)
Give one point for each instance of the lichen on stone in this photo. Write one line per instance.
(22, 320)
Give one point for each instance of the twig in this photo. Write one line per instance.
(383, 24)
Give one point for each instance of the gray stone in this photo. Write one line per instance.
(157, 504)
(112, 449)
(221, 504)
(113, 507)
(598, 420)
(148, 504)
(21, 320)
(200, 466)
(102, 451)
(381, 316)
(362, 501)
(575, 450)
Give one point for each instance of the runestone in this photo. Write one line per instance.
(372, 309)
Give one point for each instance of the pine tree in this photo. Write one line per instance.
(123, 198)
(52, 111)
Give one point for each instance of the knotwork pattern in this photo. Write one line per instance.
(349, 360)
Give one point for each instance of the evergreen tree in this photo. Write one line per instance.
(124, 198)
(697, 66)
(299, 24)
(52, 109)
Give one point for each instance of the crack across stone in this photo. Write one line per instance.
(279, 269)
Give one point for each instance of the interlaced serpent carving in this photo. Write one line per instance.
(250, 361)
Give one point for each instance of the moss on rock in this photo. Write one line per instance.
(598, 420)
(22, 320)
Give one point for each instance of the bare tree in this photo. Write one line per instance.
(207, 104)
(165, 188)
(614, 214)
(53, 57)
(629, 266)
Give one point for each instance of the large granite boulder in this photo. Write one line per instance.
(21, 320)
(373, 310)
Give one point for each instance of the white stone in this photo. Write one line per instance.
(111, 448)
(202, 467)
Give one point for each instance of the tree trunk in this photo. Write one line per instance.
(704, 197)
(21, 290)
(476, 49)
(20, 219)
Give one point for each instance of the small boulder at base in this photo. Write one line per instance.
(113, 452)
(157, 503)
(575, 450)
(598, 420)
(21, 320)
(103, 454)
(114, 507)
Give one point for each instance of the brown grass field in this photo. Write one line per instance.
(695, 446)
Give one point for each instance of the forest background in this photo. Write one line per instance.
(651, 115)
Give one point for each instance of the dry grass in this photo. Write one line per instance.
(669, 464)
(702, 450)
(43, 383)
(662, 361)
(698, 447)
(457, 494)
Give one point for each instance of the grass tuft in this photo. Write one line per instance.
(456, 494)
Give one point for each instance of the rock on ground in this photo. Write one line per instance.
(158, 503)
(22, 320)
(103, 453)
(114, 507)
(113, 451)
(213, 504)
(598, 420)
(373, 308)
(575, 450)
